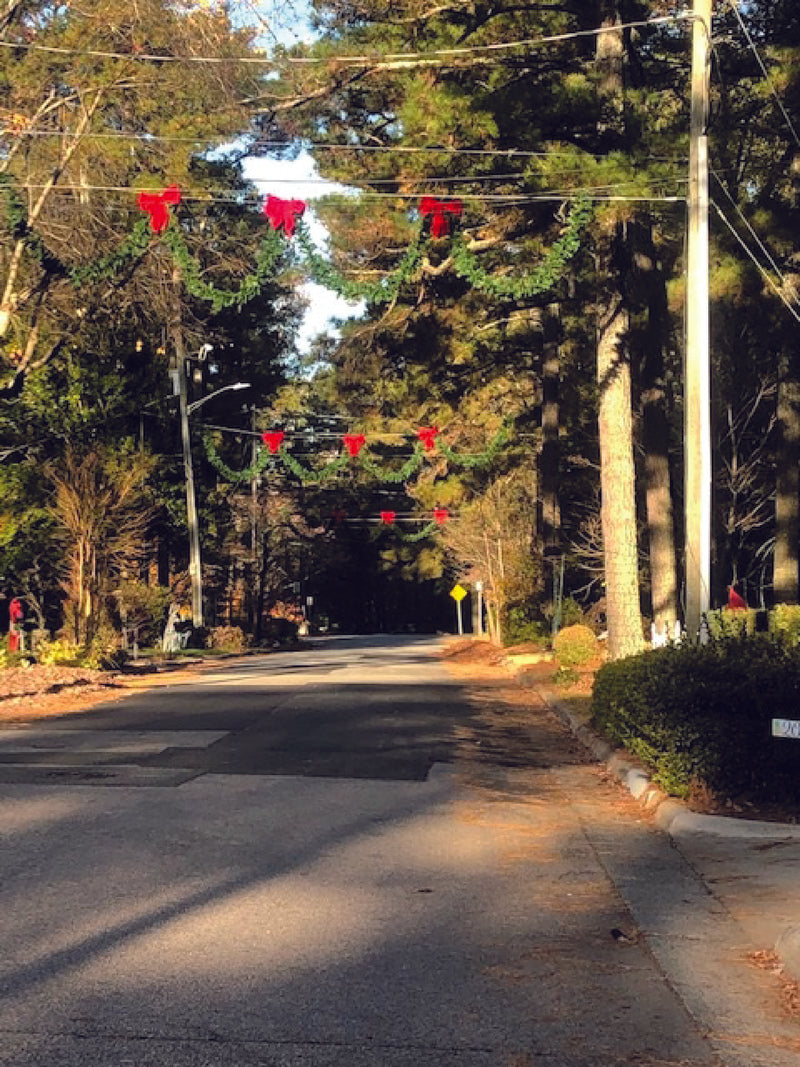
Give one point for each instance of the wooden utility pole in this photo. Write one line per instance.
(697, 389)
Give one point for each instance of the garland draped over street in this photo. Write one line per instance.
(286, 222)
(276, 452)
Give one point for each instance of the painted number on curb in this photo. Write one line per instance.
(786, 728)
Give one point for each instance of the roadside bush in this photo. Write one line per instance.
(575, 646)
(11, 660)
(104, 652)
(282, 631)
(227, 639)
(520, 627)
(701, 714)
(731, 622)
(142, 609)
(59, 653)
(784, 619)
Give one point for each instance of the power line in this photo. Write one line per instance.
(597, 192)
(393, 57)
(764, 273)
(764, 71)
(506, 153)
(786, 282)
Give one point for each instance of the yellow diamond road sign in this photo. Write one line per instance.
(458, 592)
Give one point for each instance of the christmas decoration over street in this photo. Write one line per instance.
(355, 450)
(288, 238)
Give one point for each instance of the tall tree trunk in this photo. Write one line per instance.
(787, 490)
(617, 481)
(549, 459)
(651, 290)
(615, 418)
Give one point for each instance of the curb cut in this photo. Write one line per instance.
(670, 814)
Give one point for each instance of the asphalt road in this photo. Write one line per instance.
(334, 857)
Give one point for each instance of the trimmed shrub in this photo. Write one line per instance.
(575, 646)
(60, 652)
(702, 714)
(731, 622)
(227, 639)
(784, 619)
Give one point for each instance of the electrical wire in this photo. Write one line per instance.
(316, 146)
(764, 273)
(786, 281)
(597, 193)
(764, 71)
(393, 57)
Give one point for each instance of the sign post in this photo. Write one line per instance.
(458, 592)
(479, 590)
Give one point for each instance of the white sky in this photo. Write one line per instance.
(292, 179)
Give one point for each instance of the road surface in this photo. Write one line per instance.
(343, 856)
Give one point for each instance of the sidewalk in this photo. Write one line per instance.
(752, 868)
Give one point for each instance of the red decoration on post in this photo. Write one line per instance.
(440, 515)
(273, 440)
(387, 517)
(735, 602)
(354, 442)
(439, 210)
(155, 204)
(428, 435)
(283, 213)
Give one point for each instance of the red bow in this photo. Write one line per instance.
(387, 517)
(155, 204)
(338, 515)
(440, 515)
(283, 213)
(273, 440)
(354, 442)
(438, 210)
(428, 435)
(735, 602)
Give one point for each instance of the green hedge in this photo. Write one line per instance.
(703, 714)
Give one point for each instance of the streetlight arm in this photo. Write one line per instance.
(225, 389)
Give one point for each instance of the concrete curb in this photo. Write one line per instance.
(672, 815)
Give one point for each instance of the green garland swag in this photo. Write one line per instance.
(409, 538)
(420, 535)
(247, 474)
(547, 273)
(132, 248)
(272, 246)
(17, 219)
(382, 291)
(305, 474)
(478, 459)
(385, 474)
(309, 475)
(139, 240)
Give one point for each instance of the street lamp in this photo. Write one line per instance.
(195, 572)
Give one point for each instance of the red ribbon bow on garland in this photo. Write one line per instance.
(283, 213)
(428, 435)
(155, 204)
(440, 515)
(387, 517)
(354, 442)
(273, 440)
(736, 602)
(439, 210)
